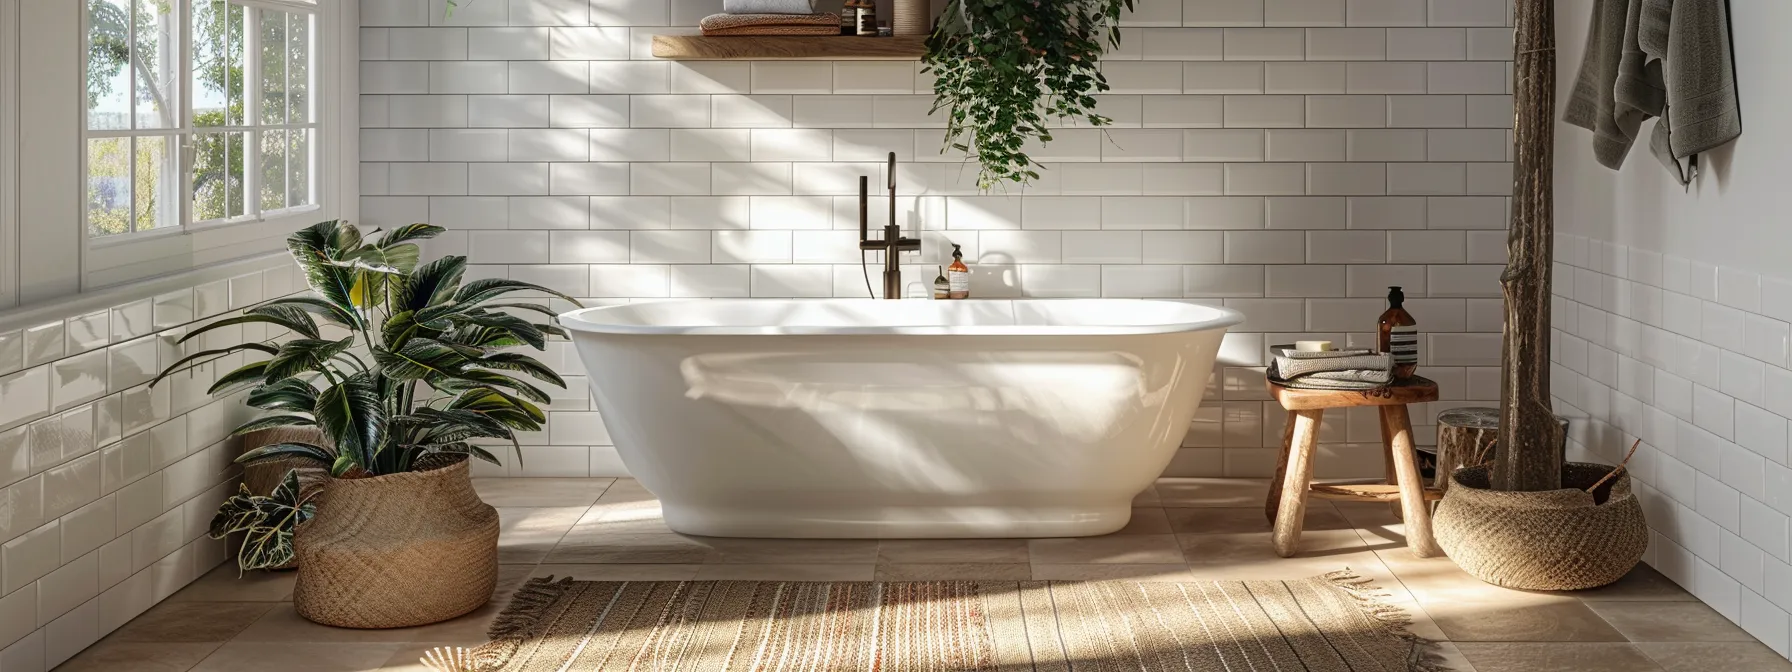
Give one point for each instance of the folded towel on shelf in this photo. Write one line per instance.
(733, 21)
(768, 6)
(1349, 369)
(775, 30)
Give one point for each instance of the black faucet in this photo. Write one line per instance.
(893, 243)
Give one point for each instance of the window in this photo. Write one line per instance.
(199, 112)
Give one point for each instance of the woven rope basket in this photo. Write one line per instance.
(397, 550)
(1550, 540)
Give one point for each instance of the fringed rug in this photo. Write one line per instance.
(1330, 623)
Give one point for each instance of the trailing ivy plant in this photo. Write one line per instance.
(1005, 71)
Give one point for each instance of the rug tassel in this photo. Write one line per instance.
(1426, 655)
(448, 659)
(516, 624)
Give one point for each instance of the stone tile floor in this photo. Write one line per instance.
(1182, 529)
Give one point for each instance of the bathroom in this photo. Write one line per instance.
(748, 407)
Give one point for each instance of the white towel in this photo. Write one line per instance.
(768, 6)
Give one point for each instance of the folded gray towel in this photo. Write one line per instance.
(768, 6)
(1293, 364)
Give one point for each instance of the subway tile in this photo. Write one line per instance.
(755, 111)
(1152, 14)
(1346, 179)
(1305, 77)
(1306, 213)
(792, 77)
(1061, 212)
(1103, 247)
(591, 247)
(1181, 44)
(1141, 281)
(505, 111)
(631, 77)
(1347, 247)
(1306, 145)
(509, 179)
(1304, 281)
(507, 44)
(1386, 78)
(629, 281)
(1221, 78)
(1267, 179)
(792, 281)
(1385, 12)
(1184, 247)
(466, 77)
(709, 280)
(668, 111)
(1145, 77)
(1138, 144)
(1478, 77)
(834, 111)
(1265, 44)
(1265, 247)
(1222, 12)
(549, 77)
(1182, 179)
(864, 77)
(1427, 44)
(1303, 12)
(1346, 44)
(1222, 145)
(426, 44)
(1425, 178)
(629, 212)
(587, 43)
(1429, 111)
(1061, 281)
(1469, 13)
(1346, 111)
(1393, 144)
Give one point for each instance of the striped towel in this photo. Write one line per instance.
(732, 21)
(1350, 369)
(768, 6)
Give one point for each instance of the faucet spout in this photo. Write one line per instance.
(892, 244)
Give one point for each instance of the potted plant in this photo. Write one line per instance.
(1527, 520)
(1004, 71)
(405, 369)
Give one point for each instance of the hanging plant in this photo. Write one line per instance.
(1004, 71)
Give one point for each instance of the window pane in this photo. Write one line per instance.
(298, 73)
(298, 172)
(156, 185)
(273, 169)
(218, 178)
(156, 60)
(108, 64)
(273, 67)
(217, 63)
(108, 186)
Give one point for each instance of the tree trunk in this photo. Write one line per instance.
(1526, 457)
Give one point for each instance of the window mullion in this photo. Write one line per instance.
(188, 138)
(251, 111)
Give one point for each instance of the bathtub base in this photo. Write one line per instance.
(897, 522)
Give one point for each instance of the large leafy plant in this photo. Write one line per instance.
(1005, 71)
(424, 365)
(391, 360)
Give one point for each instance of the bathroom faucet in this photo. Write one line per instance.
(893, 243)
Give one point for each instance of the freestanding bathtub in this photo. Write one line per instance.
(889, 419)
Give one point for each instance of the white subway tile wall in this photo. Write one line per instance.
(108, 484)
(1288, 159)
(1692, 360)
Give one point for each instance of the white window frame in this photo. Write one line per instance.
(115, 258)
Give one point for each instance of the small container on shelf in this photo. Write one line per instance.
(1397, 334)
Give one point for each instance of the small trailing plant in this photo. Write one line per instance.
(1006, 71)
(391, 361)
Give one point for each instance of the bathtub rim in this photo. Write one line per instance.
(1219, 318)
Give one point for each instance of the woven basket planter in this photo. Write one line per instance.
(397, 550)
(1549, 540)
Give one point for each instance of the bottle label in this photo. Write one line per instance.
(958, 284)
(1403, 344)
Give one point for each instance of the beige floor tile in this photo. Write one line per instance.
(1641, 584)
(631, 518)
(1669, 622)
(619, 572)
(526, 535)
(1537, 618)
(1146, 497)
(786, 572)
(1556, 657)
(973, 571)
(1715, 656)
(111, 656)
(182, 622)
(1111, 572)
(284, 624)
(1213, 520)
(1116, 548)
(223, 584)
(297, 657)
(951, 551)
(540, 492)
(1244, 547)
(1233, 492)
(586, 547)
(1452, 657)
(795, 551)
(1146, 520)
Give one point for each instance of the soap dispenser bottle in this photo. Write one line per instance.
(1397, 334)
(942, 288)
(958, 276)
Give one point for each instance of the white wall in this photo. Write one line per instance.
(1287, 158)
(1671, 316)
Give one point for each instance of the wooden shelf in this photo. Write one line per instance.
(769, 47)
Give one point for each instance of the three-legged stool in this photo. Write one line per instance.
(1287, 503)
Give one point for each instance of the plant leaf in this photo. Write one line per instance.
(516, 361)
(420, 358)
(320, 453)
(352, 414)
(273, 421)
(287, 394)
(219, 352)
(432, 283)
(266, 521)
(485, 289)
(410, 232)
(304, 354)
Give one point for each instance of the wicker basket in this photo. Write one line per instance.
(397, 550)
(1550, 540)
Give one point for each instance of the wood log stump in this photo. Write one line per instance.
(1466, 437)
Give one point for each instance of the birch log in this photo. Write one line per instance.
(1526, 456)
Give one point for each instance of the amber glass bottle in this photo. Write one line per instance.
(1398, 334)
(958, 276)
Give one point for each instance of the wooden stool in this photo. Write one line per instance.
(1287, 503)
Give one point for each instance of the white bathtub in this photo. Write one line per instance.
(892, 419)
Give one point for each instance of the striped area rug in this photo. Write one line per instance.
(1329, 623)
